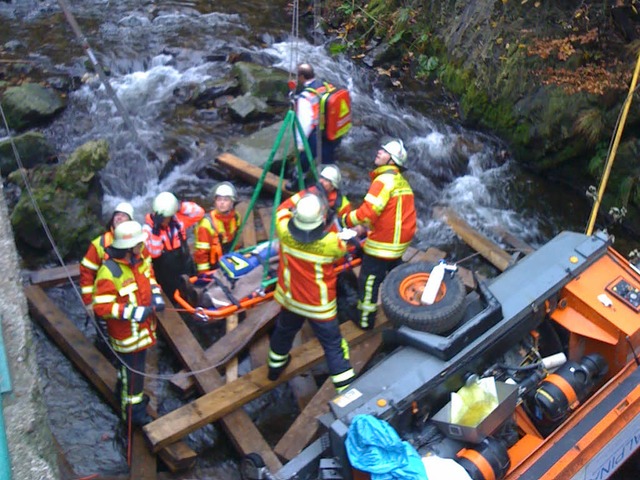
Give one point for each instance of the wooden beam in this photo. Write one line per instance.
(305, 427)
(239, 427)
(230, 397)
(251, 173)
(49, 277)
(92, 364)
(507, 237)
(143, 462)
(476, 240)
(257, 320)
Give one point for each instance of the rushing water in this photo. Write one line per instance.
(155, 48)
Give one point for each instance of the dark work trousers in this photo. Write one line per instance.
(169, 266)
(336, 349)
(328, 150)
(131, 384)
(372, 273)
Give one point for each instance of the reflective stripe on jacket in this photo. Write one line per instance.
(212, 233)
(170, 237)
(388, 210)
(120, 287)
(90, 264)
(306, 276)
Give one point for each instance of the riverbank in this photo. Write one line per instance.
(31, 446)
(550, 79)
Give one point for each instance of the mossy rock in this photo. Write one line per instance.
(268, 84)
(33, 149)
(69, 219)
(31, 105)
(76, 174)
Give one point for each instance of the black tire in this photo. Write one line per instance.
(444, 314)
(249, 465)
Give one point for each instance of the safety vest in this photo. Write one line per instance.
(388, 210)
(306, 276)
(170, 237)
(213, 234)
(120, 287)
(90, 264)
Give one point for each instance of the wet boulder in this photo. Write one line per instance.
(70, 199)
(30, 105)
(257, 147)
(248, 108)
(268, 84)
(204, 95)
(33, 149)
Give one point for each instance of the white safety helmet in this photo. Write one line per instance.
(332, 174)
(395, 148)
(226, 189)
(124, 207)
(166, 204)
(128, 235)
(309, 213)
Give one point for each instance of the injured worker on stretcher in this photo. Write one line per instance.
(239, 275)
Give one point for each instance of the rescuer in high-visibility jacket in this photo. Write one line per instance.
(306, 289)
(127, 296)
(166, 243)
(217, 230)
(328, 188)
(388, 210)
(93, 259)
(308, 114)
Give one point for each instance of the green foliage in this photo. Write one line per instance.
(590, 125)
(596, 162)
(338, 48)
(346, 9)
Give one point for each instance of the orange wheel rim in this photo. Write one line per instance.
(411, 288)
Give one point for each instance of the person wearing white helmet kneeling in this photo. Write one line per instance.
(166, 229)
(127, 297)
(388, 210)
(306, 289)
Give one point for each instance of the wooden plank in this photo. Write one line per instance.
(256, 321)
(248, 230)
(230, 397)
(517, 243)
(259, 351)
(305, 427)
(251, 173)
(239, 427)
(49, 277)
(231, 368)
(265, 215)
(476, 240)
(92, 364)
(143, 462)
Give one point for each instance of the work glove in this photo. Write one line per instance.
(347, 234)
(140, 314)
(157, 224)
(158, 302)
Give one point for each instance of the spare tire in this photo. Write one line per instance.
(400, 296)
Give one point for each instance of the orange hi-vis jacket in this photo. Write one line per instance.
(213, 232)
(120, 287)
(90, 264)
(388, 210)
(170, 238)
(335, 200)
(306, 276)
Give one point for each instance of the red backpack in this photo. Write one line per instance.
(335, 110)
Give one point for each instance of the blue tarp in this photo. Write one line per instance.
(373, 446)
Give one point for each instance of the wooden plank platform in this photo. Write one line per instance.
(49, 277)
(256, 321)
(251, 173)
(305, 427)
(92, 364)
(476, 240)
(237, 424)
(230, 397)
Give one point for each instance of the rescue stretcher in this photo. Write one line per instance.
(262, 293)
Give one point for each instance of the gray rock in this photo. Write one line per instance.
(33, 149)
(257, 147)
(30, 105)
(266, 83)
(248, 108)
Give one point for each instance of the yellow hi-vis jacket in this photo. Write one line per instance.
(306, 275)
(388, 210)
